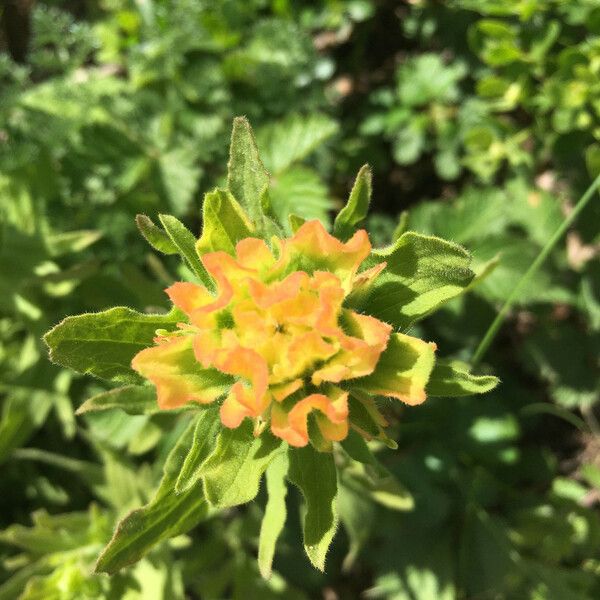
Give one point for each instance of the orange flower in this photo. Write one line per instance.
(275, 341)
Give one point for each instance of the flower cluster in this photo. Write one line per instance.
(275, 340)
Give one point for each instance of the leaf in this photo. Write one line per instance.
(402, 371)
(207, 427)
(185, 242)
(247, 178)
(168, 514)
(179, 176)
(357, 514)
(155, 236)
(232, 473)
(369, 477)
(300, 190)
(71, 241)
(292, 139)
(357, 207)
(275, 514)
(224, 223)
(422, 273)
(133, 399)
(452, 378)
(314, 474)
(103, 344)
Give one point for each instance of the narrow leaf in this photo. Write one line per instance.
(186, 245)
(357, 207)
(422, 273)
(247, 178)
(224, 223)
(168, 514)
(133, 399)
(205, 433)
(154, 235)
(103, 344)
(452, 378)
(370, 478)
(315, 475)
(232, 473)
(275, 514)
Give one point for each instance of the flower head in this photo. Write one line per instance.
(275, 341)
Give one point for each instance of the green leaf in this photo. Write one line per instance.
(155, 236)
(224, 223)
(179, 175)
(247, 178)
(71, 241)
(205, 433)
(103, 344)
(422, 273)
(314, 474)
(167, 515)
(300, 190)
(275, 514)
(367, 476)
(357, 207)
(133, 399)
(292, 139)
(452, 378)
(402, 371)
(186, 246)
(232, 473)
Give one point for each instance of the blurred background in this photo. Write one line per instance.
(481, 121)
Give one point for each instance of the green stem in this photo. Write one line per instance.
(491, 333)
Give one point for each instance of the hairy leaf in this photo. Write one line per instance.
(103, 344)
(315, 475)
(232, 473)
(247, 178)
(357, 206)
(224, 223)
(452, 378)
(168, 514)
(422, 273)
(205, 433)
(186, 246)
(133, 399)
(275, 514)
(155, 236)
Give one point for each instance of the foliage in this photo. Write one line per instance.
(480, 123)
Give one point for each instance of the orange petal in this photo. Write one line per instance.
(253, 253)
(311, 246)
(292, 426)
(179, 379)
(189, 296)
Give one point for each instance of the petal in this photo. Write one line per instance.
(253, 253)
(311, 246)
(252, 367)
(179, 379)
(402, 371)
(360, 351)
(292, 425)
(189, 296)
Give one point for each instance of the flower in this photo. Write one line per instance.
(275, 341)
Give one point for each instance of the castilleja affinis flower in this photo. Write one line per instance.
(276, 343)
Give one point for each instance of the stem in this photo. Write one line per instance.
(492, 331)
